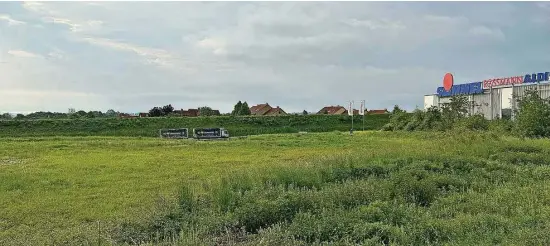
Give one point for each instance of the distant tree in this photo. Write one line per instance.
(166, 110)
(245, 110)
(156, 112)
(304, 113)
(6, 116)
(94, 114)
(19, 117)
(237, 108)
(206, 111)
(81, 114)
(110, 113)
(397, 110)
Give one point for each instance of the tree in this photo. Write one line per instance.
(206, 111)
(6, 116)
(304, 113)
(237, 108)
(456, 109)
(533, 115)
(110, 113)
(19, 117)
(245, 110)
(397, 110)
(155, 112)
(166, 110)
(94, 114)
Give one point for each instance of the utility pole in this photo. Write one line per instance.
(362, 112)
(350, 112)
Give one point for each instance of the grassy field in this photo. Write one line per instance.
(149, 127)
(287, 189)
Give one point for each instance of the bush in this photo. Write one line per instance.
(533, 116)
(475, 122)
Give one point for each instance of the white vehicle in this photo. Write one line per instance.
(174, 133)
(210, 133)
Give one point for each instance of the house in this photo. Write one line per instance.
(126, 116)
(193, 112)
(275, 111)
(378, 111)
(143, 114)
(333, 110)
(260, 109)
(266, 109)
(187, 113)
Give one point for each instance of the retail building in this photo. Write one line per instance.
(494, 98)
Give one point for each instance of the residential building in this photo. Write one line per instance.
(378, 111)
(266, 109)
(333, 110)
(260, 109)
(275, 111)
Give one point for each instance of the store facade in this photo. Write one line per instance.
(493, 98)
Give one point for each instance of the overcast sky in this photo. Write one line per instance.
(131, 56)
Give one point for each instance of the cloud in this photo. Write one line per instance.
(153, 56)
(374, 25)
(446, 19)
(11, 22)
(487, 32)
(23, 54)
(299, 55)
(218, 47)
(75, 27)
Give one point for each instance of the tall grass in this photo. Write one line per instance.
(496, 195)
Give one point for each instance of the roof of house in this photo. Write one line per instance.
(331, 109)
(255, 109)
(378, 111)
(274, 110)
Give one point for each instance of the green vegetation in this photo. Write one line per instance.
(149, 127)
(418, 188)
(435, 177)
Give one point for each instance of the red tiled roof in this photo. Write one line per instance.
(275, 110)
(331, 109)
(378, 111)
(256, 108)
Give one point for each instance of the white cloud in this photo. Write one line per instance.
(217, 46)
(23, 54)
(11, 21)
(57, 54)
(152, 56)
(487, 32)
(375, 25)
(37, 7)
(446, 19)
(75, 26)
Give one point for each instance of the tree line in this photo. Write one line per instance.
(81, 114)
(239, 109)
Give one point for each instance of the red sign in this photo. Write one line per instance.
(488, 83)
(448, 81)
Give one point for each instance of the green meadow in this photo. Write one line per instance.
(372, 188)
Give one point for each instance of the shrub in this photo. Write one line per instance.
(475, 122)
(533, 115)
